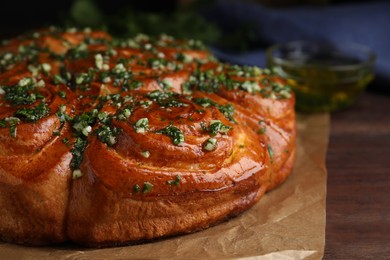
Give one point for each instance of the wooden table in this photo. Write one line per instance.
(358, 196)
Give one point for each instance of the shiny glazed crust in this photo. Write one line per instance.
(106, 142)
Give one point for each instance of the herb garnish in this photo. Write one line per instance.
(124, 114)
(77, 174)
(33, 114)
(270, 151)
(145, 154)
(21, 94)
(77, 152)
(142, 125)
(62, 116)
(79, 52)
(216, 126)
(136, 188)
(166, 99)
(12, 123)
(147, 187)
(227, 110)
(173, 132)
(65, 140)
(175, 182)
(210, 144)
(107, 134)
(82, 123)
(85, 78)
(62, 94)
(263, 129)
(205, 81)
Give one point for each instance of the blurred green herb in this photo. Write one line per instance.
(85, 13)
(185, 24)
(129, 21)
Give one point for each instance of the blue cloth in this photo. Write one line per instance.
(364, 23)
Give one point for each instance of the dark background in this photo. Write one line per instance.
(20, 16)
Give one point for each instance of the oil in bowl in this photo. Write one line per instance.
(324, 77)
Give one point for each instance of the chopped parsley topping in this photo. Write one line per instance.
(82, 123)
(227, 110)
(210, 144)
(77, 174)
(136, 188)
(133, 85)
(165, 99)
(65, 140)
(211, 81)
(62, 116)
(85, 78)
(103, 117)
(107, 134)
(79, 52)
(86, 130)
(173, 132)
(21, 94)
(33, 114)
(270, 151)
(58, 80)
(204, 102)
(99, 61)
(250, 86)
(64, 78)
(165, 84)
(124, 114)
(184, 57)
(142, 125)
(46, 67)
(145, 103)
(205, 81)
(62, 94)
(147, 187)
(175, 182)
(145, 154)
(156, 63)
(216, 126)
(77, 152)
(263, 129)
(246, 71)
(119, 70)
(12, 123)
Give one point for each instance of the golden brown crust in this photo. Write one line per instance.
(33, 201)
(159, 138)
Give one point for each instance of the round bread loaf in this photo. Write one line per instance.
(110, 142)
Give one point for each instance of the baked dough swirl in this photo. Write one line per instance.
(110, 142)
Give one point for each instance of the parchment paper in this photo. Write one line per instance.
(287, 223)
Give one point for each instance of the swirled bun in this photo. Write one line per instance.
(110, 142)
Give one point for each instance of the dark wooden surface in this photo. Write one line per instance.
(358, 190)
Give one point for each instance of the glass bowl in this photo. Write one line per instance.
(325, 77)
